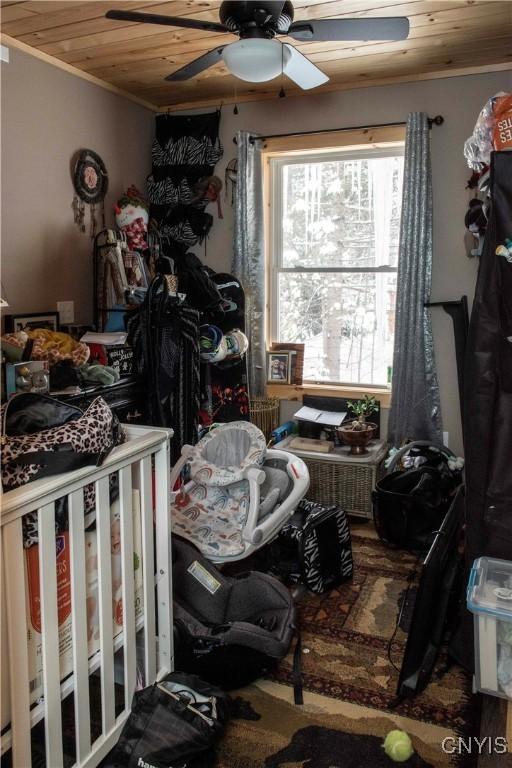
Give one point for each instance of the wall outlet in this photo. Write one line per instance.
(66, 310)
(445, 438)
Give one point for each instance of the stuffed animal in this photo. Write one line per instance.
(132, 215)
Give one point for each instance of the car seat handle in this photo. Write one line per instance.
(416, 444)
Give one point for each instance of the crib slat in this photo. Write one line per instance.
(14, 575)
(127, 549)
(50, 635)
(148, 570)
(163, 560)
(79, 624)
(105, 604)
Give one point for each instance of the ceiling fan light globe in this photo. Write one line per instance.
(255, 60)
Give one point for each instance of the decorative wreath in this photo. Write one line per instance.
(90, 178)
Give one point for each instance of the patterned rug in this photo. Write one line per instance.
(349, 683)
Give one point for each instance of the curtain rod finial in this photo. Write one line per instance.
(438, 120)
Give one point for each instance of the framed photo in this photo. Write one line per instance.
(296, 359)
(31, 376)
(278, 367)
(29, 322)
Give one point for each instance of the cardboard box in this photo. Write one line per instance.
(121, 359)
(33, 601)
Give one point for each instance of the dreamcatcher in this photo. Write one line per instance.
(90, 181)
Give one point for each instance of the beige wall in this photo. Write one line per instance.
(47, 115)
(459, 100)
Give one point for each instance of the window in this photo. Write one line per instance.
(335, 221)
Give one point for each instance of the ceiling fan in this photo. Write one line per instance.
(257, 56)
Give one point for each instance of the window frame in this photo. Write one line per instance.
(276, 162)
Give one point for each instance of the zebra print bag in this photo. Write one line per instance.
(318, 539)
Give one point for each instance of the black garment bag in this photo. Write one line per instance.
(488, 398)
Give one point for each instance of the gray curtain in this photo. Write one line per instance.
(249, 255)
(415, 405)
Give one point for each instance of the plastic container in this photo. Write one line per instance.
(489, 598)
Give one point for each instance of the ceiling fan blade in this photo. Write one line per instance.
(382, 28)
(166, 21)
(197, 66)
(301, 70)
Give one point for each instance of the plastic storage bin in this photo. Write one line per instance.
(489, 598)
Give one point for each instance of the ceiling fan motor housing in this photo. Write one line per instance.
(257, 18)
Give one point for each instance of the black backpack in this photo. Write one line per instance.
(409, 505)
(315, 548)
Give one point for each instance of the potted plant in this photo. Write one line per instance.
(358, 433)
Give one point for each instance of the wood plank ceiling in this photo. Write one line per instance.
(447, 36)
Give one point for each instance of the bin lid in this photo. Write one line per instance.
(490, 587)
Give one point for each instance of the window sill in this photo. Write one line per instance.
(297, 391)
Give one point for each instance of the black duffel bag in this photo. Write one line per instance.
(410, 504)
(173, 724)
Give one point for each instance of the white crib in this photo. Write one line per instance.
(142, 463)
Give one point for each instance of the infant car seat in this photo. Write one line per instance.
(236, 494)
(227, 630)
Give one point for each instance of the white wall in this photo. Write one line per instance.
(47, 115)
(459, 100)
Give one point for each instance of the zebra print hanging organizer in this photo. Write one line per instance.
(185, 151)
(315, 547)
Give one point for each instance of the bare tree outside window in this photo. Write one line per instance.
(336, 222)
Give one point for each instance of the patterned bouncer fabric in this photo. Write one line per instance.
(213, 518)
(211, 511)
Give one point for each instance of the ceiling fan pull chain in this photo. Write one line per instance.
(282, 92)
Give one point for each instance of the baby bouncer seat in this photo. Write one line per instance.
(237, 494)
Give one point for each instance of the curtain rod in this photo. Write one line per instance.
(437, 120)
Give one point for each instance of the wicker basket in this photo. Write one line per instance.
(264, 412)
(343, 479)
(344, 484)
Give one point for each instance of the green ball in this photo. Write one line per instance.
(398, 746)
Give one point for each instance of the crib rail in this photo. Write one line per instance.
(141, 465)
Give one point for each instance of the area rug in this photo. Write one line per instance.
(350, 683)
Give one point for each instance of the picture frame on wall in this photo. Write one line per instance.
(30, 321)
(278, 367)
